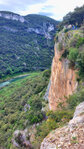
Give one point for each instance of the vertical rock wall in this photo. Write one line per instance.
(63, 80)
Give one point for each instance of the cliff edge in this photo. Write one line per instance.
(70, 136)
(67, 68)
(63, 80)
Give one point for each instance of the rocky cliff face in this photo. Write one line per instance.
(43, 30)
(12, 16)
(70, 136)
(63, 80)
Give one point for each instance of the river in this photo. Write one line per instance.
(12, 80)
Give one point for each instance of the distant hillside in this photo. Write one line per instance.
(26, 43)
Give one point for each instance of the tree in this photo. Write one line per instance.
(73, 53)
(80, 64)
(36, 104)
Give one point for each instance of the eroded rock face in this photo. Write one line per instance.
(70, 136)
(78, 115)
(12, 16)
(21, 139)
(43, 30)
(63, 80)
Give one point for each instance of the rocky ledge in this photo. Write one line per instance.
(70, 136)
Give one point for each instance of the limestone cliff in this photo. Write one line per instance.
(63, 80)
(11, 16)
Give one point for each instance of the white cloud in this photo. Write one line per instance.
(2, 2)
(32, 9)
(57, 8)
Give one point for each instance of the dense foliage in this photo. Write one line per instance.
(22, 49)
(75, 18)
(73, 53)
(73, 42)
(21, 105)
(76, 98)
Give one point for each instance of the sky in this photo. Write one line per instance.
(55, 9)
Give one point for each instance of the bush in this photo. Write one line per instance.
(66, 30)
(58, 116)
(35, 114)
(55, 120)
(34, 117)
(73, 53)
(46, 74)
(80, 64)
(80, 42)
(65, 54)
(76, 98)
(44, 128)
(36, 104)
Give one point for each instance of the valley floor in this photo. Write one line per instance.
(15, 102)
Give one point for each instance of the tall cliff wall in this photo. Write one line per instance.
(63, 80)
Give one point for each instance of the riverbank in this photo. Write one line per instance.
(16, 78)
(13, 76)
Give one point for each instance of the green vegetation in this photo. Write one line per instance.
(73, 49)
(80, 42)
(35, 115)
(74, 140)
(76, 55)
(73, 54)
(21, 104)
(75, 18)
(80, 64)
(8, 77)
(22, 50)
(76, 98)
(55, 119)
(77, 40)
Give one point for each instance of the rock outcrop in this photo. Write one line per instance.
(21, 139)
(43, 30)
(63, 80)
(47, 91)
(70, 136)
(12, 16)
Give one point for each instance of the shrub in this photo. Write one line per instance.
(77, 41)
(44, 128)
(55, 120)
(76, 98)
(66, 30)
(35, 117)
(80, 64)
(46, 74)
(65, 54)
(80, 42)
(36, 104)
(73, 53)
(58, 116)
(73, 100)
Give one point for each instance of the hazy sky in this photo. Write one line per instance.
(53, 8)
